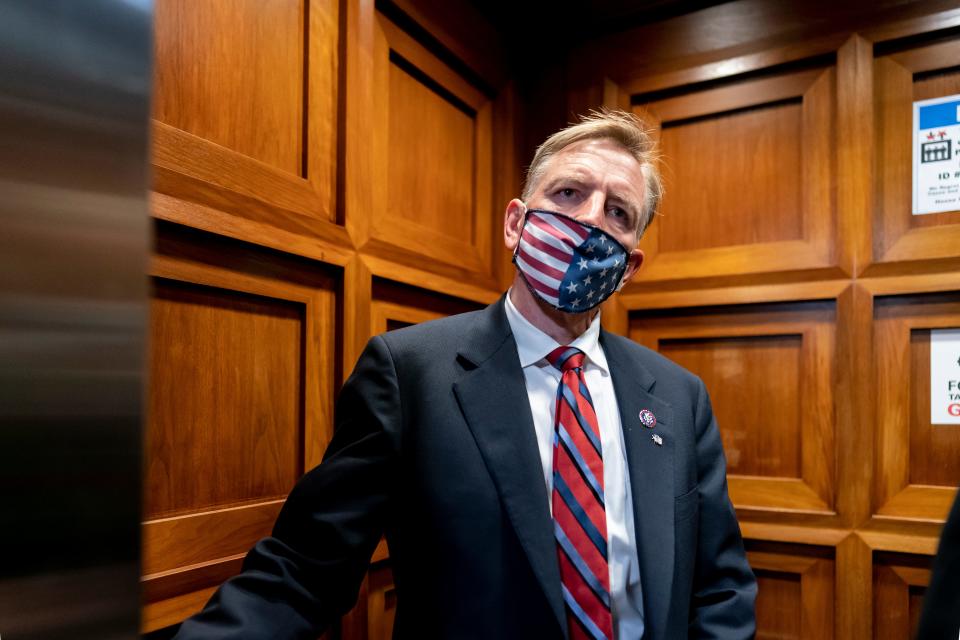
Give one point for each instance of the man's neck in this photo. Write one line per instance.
(559, 325)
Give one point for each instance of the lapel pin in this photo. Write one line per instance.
(647, 418)
(656, 438)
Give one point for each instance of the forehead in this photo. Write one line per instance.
(601, 159)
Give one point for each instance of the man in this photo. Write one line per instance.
(536, 477)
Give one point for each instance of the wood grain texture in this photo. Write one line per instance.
(781, 353)
(854, 588)
(226, 374)
(739, 370)
(911, 454)
(901, 236)
(796, 588)
(899, 583)
(749, 190)
(709, 159)
(431, 143)
(854, 153)
(232, 73)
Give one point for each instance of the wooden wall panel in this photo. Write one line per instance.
(917, 463)
(761, 145)
(232, 73)
(900, 581)
(427, 144)
(918, 73)
(245, 119)
(239, 407)
(749, 178)
(795, 591)
(226, 378)
(780, 450)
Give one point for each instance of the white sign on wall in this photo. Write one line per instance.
(936, 161)
(945, 376)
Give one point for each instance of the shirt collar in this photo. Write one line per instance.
(533, 345)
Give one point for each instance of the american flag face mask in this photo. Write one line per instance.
(570, 265)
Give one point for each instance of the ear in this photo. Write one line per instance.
(513, 223)
(634, 260)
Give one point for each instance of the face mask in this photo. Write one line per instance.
(570, 265)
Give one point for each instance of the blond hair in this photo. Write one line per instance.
(623, 128)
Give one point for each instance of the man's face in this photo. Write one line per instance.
(594, 181)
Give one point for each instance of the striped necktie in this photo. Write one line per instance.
(579, 518)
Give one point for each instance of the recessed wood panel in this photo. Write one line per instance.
(232, 73)
(934, 449)
(768, 369)
(240, 404)
(735, 179)
(428, 174)
(899, 584)
(795, 590)
(918, 464)
(225, 403)
(900, 79)
(431, 150)
(925, 87)
(749, 173)
(759, 438)
(395, 306)
(778, 605)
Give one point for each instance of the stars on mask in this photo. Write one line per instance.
(603, 274)
(575, 302)
(610, 250)
(583, 264)
(572, 287)
(590, 294)
(589, 248)
(587, 281)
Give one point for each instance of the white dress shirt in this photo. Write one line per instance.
(542, 380)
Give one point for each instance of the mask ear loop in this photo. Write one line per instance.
(526, 212)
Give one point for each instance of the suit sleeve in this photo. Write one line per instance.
(725, 588)
(303, 577)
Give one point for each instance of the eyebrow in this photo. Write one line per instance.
(624, 203)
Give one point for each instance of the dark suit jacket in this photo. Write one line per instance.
(940, 619)
(435, 446)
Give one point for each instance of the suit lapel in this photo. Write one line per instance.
(492, 395)
(651, 478)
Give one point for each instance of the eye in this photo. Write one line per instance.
(567, 192)
(617, 212)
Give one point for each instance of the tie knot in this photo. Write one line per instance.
(566, 358)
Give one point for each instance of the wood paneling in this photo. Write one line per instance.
(232, 73)
(226, 377)
(901, 78)
(749, 178)
(795, 591)
(246, 115)
(739, 370)
(900, 581)
(239, 406)
(428, 140)
(780, 451)
(917, 462)
(761, 145)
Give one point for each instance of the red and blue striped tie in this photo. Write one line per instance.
(579, 517)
